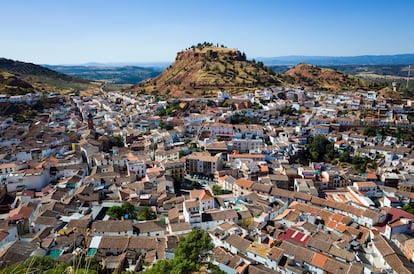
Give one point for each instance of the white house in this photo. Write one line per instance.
(136, 166)
(150, 228)
(205, 199)
(27, 179)
(191, 211)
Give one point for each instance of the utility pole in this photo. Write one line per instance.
(408, 76)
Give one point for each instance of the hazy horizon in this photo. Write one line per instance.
(166, 63)
(79, 32)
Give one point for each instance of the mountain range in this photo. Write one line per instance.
(203, 70)
(120, 75)
(18, 77)
(397, 59)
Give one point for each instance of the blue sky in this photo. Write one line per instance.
(80, 31)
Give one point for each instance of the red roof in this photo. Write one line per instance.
(244, 183)
(22, 212)
(371, 176)
(295, 236)
(201, 194)
(393, 199)
(398, 214)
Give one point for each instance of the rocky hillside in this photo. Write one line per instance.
(204, 69)
(13, 85)
(313, 77)
(19, 77)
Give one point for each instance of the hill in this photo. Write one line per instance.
(13, 85)
(314, 77)
(204, 69)
(121, 75)
(24, 77)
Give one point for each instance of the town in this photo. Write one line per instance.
(283, 180)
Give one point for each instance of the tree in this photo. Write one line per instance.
(256, 105)
(117, 140)
(166, 125)
(243, 56)
(116, 212)
(345, 157)
(320, 149)
(126, 210)
(370, 132)
(189, 255)
(409, 208)
(238, 118)
(217, 190)
(146, 213)
(194, 247)
(361, 163)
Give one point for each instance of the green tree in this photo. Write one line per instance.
(118, 212)
(256, 105)
(409, 208)
(320, 149)
(361, 163)
(115, 212)
(166, 125)
(345, 157)
(130, 210)
(194, 247)
(240, 118)
(370, 131)
(189, 255)
(217, 190)
(146, 213)
(161, 266)
(117, 140)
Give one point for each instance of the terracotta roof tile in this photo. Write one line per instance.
(244, 183)
(319, 260)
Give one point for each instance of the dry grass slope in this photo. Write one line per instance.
(314, 77)
(203, 72)
(19, 78)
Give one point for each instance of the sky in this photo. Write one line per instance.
(107, 31)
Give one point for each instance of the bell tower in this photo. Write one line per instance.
(90, 121)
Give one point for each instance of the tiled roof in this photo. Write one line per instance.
(295, 236)
(238, 242)
(319, 260)
(244, 183)
(112, 226)
(202, 194)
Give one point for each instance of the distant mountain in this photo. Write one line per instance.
(204, 69)
(398, 59)
(159, 65)
(20, 77)
(115, 74)
(314, 77)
